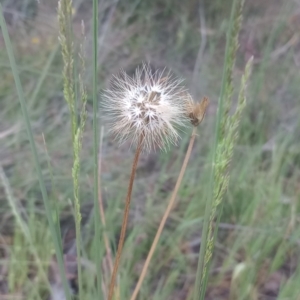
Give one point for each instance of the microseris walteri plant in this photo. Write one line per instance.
(148, 109)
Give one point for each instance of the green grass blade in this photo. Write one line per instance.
(54, 233)
(95, 132)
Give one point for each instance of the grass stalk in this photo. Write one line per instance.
(70, 93)
(48, 208)
(67, 50)
(97, 221)
(165, 216)
(125, 218)
(75, 175)
(221, 153)
(101, 208)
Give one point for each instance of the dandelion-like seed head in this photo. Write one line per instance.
(150, 106)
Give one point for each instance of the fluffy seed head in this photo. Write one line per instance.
(150, 105)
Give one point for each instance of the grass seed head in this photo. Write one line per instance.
(149, 104)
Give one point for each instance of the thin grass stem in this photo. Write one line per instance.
(165, 216)
(125, 218)
(95, 146)
(101, 207)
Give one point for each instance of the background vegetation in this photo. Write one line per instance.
(257, 250)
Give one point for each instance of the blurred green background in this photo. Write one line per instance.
(257, 250)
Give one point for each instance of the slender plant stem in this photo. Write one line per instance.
(165, 216)
(95, 146)
(101, 207)
(125, 218)
(78, 217)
